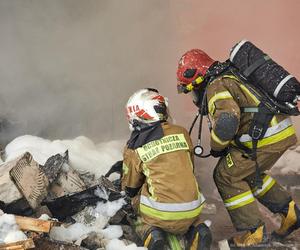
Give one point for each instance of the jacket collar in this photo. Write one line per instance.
(140, 138)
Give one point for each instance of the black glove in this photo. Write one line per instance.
(217, 154)
(116, 168)
(128, 209)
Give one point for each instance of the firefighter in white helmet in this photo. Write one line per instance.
(158, 175)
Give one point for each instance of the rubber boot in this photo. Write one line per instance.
(155, 239)
(290, 221)
(199, 238)
(250, 238)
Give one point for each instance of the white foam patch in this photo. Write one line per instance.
(84, 154)
(109, 208)
(223, 245)
(9, 230)
(101, 214)
(208, 223)
(44, 217)
(70, 233)
(14, 236)
(112, 232)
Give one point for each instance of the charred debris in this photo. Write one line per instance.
(61, 194)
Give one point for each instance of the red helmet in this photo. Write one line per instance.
(192, 68)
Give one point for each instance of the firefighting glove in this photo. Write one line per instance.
(128, 209)
(116, 168)
(218, 154)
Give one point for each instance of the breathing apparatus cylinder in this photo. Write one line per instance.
(261, 71)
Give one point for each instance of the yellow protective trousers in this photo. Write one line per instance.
(234, 177)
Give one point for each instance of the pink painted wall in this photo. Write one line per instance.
(215, 26)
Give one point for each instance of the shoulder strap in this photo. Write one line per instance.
(262, 116)
(248, 71)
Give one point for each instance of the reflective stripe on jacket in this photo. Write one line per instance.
(227, 94)
(169, 196)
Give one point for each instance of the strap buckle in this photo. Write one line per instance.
(256, 132)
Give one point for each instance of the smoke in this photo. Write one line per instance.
(67, 67)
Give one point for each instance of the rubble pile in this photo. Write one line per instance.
(41, 180)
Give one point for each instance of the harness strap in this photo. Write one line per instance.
(258, 109)
(248, 71)
(258, 127)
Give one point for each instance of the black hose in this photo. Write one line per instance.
(201, 114)
(194, 121)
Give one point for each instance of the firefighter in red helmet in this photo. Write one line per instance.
(240, 174)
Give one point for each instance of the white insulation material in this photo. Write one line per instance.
(84, 154)
(9, 230)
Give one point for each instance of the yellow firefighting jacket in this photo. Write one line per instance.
(228, 94)
(163, 169)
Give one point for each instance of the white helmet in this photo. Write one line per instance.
(144, 107)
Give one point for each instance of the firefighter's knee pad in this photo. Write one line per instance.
(200, 238)
(155, 239)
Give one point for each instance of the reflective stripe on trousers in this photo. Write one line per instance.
(268, 183)
(248, 197)
(240, 200)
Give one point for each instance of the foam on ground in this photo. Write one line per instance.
(9, 230)
(84, 154)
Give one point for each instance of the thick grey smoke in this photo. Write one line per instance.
(67, 67)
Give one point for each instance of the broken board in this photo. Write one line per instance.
(9, 192)
(49, 244)
(66, 182)
(36, 225)
(30, 180)
(18, 245)
(71, 204)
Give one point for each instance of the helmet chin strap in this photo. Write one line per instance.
(191, 86)
(195, 84)
(140, 126)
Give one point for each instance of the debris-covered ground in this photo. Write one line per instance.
(61, 181)
(54, 194)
